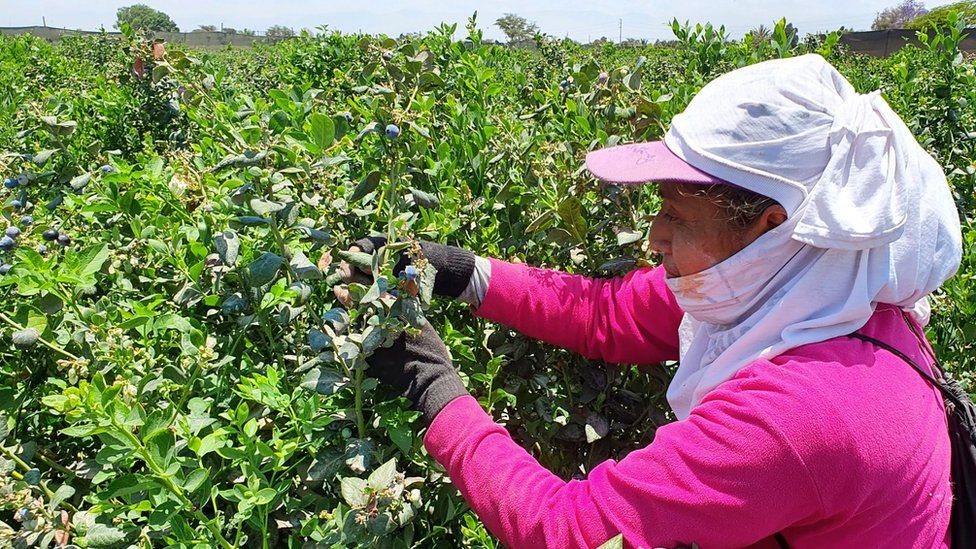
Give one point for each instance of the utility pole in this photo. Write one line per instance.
(44, 20)
(620, 30)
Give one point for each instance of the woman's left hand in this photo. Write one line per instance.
(420, 368)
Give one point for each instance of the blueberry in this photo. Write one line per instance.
(7, 244)
(27, 220)
(348, 116)
(387, 56)
(50, 235)
(392, 131)
(16, 204)
(604, 76)
(64, 240)
(208, 208)
(41, 249)
(410, 272)
(107, 168)
(12, 232)
(11, 183)
(4, 269)
(564, 84)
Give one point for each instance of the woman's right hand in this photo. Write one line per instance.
(454, 267)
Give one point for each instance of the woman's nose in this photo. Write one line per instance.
(657, 239)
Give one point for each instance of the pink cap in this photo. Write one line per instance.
(642, 163)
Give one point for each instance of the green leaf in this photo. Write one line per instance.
(626, 235)
(62, 493)
(80, 181)
(348, 351)
(360, 260)
(195, 479)
(322, 131)
(372, 294)
(324, 381)
(42, 157)
(263, 270)
(571, 212)
(303, 268)
(265, 207)
(161, 448)
(125, 485)
(87, 262)
(427, 284)
(596, 427)
(366, 186)
(616, 542)
(228, 245)
(354, 492)
(383, 475)
(324, 467)
(160, 516)
(424, 199)
(99, 535)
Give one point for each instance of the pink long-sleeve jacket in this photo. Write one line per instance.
(833, 444)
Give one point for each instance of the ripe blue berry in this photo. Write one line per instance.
(12, 232)
(41, 249)
(387, 55)
(7, 244)
(50, 235)
(392, 131)
(108, 168)
(4, 269)
(11, 183)
(64, 240)
(27, 220)
(348, 116)
(604, 76)
(410, 272)
(16, 204)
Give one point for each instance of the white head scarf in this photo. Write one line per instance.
(870, 218)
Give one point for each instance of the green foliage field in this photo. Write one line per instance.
(176, 370)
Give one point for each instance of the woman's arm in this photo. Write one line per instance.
(633, 319)
(725, 477)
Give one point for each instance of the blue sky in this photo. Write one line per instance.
(579, 19)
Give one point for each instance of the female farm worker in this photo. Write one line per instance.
(795, 212)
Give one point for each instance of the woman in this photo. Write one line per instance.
(795, 212)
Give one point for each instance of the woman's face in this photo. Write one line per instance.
(692, 233)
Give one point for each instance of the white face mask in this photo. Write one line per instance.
(726, 292)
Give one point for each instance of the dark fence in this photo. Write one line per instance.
(886, 42)
(200, 39)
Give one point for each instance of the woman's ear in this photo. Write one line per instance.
(772, 217)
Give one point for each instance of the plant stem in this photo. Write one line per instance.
(26, 467)
(160, 475)
(360, 420)
(40, 340)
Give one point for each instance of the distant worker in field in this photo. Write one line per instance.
(801, 223)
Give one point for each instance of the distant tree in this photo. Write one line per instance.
(937, 17)
(249, 32)
(897, 16)
(205, 28)
(228, 30)
(142, 17)
(280, 31)
(634, 43)
(517, 28)
(758, 35)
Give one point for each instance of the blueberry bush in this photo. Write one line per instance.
(176, 369)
